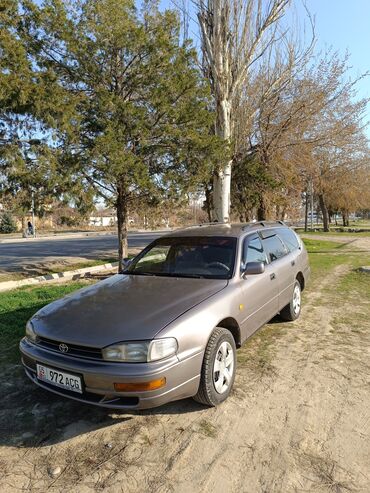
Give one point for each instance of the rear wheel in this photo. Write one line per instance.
(218, 369)
(292, 311)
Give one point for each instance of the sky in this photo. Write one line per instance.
(345, 26)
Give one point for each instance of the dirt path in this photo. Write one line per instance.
(297, 421)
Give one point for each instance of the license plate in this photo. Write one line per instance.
(59, 378)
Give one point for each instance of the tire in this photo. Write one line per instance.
(293, 309)
(215, 387)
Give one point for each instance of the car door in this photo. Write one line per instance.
(281, 262)
(260, 291)
(291, 266)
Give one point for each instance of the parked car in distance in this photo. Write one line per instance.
(167, 327)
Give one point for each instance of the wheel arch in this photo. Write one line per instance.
(232, 325)
(300, 279)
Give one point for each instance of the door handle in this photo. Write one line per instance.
(293, 262)
(272, 276)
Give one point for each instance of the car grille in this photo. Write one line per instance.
(73, 349)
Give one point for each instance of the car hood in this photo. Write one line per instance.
(121, 308)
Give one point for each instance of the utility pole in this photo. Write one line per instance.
(33, 213)
(311, 198)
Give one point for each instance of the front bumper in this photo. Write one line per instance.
(182, 378)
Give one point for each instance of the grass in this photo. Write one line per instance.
(353, 289)
(337, 234)
(318, 246)
(17, 306)
(321, 264)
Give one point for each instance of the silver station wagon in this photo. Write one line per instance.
(167, 327)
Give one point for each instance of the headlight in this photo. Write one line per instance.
(30, 333)
(141, 352)
(130, 351)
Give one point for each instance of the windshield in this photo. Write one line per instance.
(202, 257)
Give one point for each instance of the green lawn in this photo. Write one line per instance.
(336, 233)
(317, 246)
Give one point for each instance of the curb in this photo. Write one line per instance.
(68, 236)
(70, 274)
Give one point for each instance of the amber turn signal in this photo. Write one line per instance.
(140, 387)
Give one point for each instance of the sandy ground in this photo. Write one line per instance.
(298, 420)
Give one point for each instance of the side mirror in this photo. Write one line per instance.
(125, 264)
(253, 268)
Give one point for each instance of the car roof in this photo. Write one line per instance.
(222, 229)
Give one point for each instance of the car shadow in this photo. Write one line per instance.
(276, 320)
(33, 417)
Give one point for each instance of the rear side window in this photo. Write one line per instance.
(289, 238)
(274, 247)
(253, 250)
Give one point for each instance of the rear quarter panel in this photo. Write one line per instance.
(303, 264)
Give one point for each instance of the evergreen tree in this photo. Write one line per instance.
(140, 125)
(7, 225)
(31, 102)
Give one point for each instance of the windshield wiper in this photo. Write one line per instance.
(190, 276)
(133, 272)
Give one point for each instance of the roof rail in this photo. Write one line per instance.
(199, 225)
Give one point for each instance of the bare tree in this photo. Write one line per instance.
(273, 112)
(235, 34)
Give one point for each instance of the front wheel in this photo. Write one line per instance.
(218, 368)
(292, 311)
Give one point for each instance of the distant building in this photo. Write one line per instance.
(105, 218)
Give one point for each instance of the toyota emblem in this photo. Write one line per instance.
(63, 348)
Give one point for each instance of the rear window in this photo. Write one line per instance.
(274, 247)
(289, 238)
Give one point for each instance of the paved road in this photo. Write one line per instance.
(17, 256)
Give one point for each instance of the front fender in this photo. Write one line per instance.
(194, 328)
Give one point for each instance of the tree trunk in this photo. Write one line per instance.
(345, 216)
(208, 202)
(324, 211)
(221, 194)
(222, 177)
(121, 207)
(261, 211)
